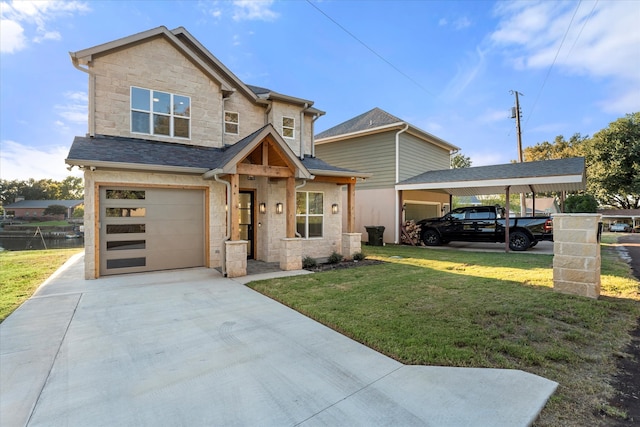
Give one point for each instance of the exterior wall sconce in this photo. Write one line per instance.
(334, 208)
(279, 208)
(262, 207)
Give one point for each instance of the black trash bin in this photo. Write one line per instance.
(375, 234)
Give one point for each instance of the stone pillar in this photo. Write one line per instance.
(351, 244)
(291, 254)
(236, 258)
(576, 250)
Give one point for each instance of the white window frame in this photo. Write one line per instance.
(151, 113)
(307, 215)
(293, 128)
(236, 123)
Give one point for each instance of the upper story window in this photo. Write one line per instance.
(160, 113)
(231, 122)
(309, 214)
(288, 127)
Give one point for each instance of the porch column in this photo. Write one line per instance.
(236, 258)
(291, 207)
(233, 206)
(291, 254)
(351, 207)
(351, 244)
(576, 254)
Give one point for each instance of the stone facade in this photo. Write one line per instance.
(291, 254)
(576, 261)
(351, 244)
(236, 258)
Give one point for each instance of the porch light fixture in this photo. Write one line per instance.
(279, 208)
(334, 208)
(262, 208)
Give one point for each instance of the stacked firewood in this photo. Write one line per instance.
(411, 233)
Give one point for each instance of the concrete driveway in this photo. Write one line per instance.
(193, 348)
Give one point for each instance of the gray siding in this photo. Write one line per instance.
(373, 154)
(418, 156)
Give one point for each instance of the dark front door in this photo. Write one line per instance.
(246, 221)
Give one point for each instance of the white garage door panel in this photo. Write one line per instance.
(168, 224)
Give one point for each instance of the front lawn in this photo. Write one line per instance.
(498, 310)
(21, 273)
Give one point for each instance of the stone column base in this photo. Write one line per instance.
(236, 258)
(351, 244)
(291, 254)
(576, 254)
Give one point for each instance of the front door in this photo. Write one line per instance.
(246, 221)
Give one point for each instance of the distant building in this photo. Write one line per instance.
(544, 206)
(35, 208)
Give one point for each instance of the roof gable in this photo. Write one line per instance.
(377, 121)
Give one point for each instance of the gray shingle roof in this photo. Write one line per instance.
(506, 171)
(371, 119)
(43, 204)
(117, 150)
(541, 176)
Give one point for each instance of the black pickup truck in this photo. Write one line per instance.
(485, 224)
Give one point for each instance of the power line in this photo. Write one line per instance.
(411, 79)
(544, 82)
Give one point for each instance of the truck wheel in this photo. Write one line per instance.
(431, 238)
(519, 241)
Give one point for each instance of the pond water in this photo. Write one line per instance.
(28, 243)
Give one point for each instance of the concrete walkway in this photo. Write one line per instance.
(190, 347)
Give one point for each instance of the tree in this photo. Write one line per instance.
(71, 188)
(460, 161)
(613, 163)
(580, 203)
(559, 149)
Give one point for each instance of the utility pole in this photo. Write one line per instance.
(515, 114)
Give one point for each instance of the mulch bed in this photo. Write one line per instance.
(343, 264)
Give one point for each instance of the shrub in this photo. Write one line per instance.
(334, 258)
(308, 262)
(359, 256)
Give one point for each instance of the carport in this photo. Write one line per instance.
(561, 175)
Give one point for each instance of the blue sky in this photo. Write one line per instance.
(446, 67)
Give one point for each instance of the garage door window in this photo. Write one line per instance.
(126, 194)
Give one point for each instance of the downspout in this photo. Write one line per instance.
(306, 105)
(304, 182)
(313, 140)
(228, 235)
(266, 113)
(92, 91)
(397, 209)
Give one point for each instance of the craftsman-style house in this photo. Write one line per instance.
(187, 166)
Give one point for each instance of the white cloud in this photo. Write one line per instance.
(601, 42)
(11, 36)
(75, 110)
(254, 10)
(29, 20)
(22, 162)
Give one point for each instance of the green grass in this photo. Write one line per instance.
(21, 272)
(497, 310)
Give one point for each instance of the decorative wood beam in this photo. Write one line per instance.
(262, 170)
(291, 207)
(233, 206)
(351, 208)
(340, 180)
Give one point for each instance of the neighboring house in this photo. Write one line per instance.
(543, 205)
(187, 166)
(26, 209)
(626, 216)
(392, 150)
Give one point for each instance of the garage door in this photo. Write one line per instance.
(148, 229)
